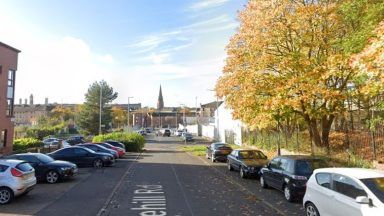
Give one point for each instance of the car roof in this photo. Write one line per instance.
(359, 173)
(300, 157)
(28, 153)
(219, 143)
(247, 150)
(10, 162)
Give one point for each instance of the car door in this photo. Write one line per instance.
(66, 154)
(322, 193)
(269, 173)
(236, 160)
(82, 157)
(344, 193)
(231, 158)
(282, 172)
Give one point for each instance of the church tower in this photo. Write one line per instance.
(160, 102)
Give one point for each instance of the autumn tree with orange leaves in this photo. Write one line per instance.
(289, 57)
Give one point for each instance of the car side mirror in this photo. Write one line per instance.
(268, 166)
(364, 200)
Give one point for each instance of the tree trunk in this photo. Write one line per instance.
(325, 129)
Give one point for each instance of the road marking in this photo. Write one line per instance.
(182, 190)
(148, 200)
(114, 191)
(244, 189)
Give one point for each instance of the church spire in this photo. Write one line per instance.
(160, 102)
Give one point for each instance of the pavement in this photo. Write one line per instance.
(163, 180)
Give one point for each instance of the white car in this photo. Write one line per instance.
(51, 142)
(16, 177)
(345, 192)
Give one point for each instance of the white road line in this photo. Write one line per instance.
(182, 190)
(106, 204)
(244, 189)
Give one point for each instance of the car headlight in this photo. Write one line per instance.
(65, 168)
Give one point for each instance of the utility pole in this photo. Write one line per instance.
(128, 114)
(101, 106)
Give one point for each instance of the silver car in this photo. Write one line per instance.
(16, 177)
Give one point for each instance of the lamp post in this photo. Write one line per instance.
(128, 114)
(100, 108)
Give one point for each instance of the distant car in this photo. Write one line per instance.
(187, 137)
(83, 157)
(74, 140)
(345, 191)
(99, 148)
(218, 151)
(248, 162)
(16, 178)
(142, 132)
(46, 168)
(178, 132)
(290, 173)
(164, 132)
(116, 144)
(52, 142)
(120, 151)
(148, 130)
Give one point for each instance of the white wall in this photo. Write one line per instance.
(225, 122)
(208, 131)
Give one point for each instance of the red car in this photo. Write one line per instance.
(120, 151)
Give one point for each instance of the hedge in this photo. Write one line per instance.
(23, 144)
(132, 141)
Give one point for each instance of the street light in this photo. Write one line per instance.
(128, 113)
(100, 108)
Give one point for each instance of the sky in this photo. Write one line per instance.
(134, 45)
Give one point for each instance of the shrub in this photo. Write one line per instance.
(23, 144)
(132, 141)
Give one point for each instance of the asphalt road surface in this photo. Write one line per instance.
(163, 180)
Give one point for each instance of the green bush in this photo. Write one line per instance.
(40, 133)
(132, 141)
(23, 144)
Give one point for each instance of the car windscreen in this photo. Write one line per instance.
(89, 150)
(376, 185)
(221, 145)
(251, 155)
(306, 167)
(44, 158)
(25, 167)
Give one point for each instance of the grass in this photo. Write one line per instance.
(198, 150)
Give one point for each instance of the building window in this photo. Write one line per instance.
(3, 139)
(10, 92)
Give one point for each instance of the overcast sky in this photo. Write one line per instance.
(135, 45)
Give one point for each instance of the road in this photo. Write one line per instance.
(163, 180)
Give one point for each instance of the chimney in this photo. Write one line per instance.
(31, 99)
(25, 101)
(46, 101)
(21, 101)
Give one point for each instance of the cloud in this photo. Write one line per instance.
(205, 4)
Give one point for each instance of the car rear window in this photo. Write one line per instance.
(3, 168)
(25, 167)
(306, 167)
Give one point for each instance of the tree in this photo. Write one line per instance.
(290, 57)
(88, 117)
(119, 117)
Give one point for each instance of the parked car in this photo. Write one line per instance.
(142, 132)
(148, 130)
(345, 191)
(290, 173)
(164, 132)
(16, 178)
(52, 142)
(178, 132)
(83, 157)
(99, 148)
(74, 140)
(218, 151)
(120, 151)
(46, 168)
(116, 144)
(187, 137)
(247, 162)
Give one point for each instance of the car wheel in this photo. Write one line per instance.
(52, 176)
(230, 168)
(288, 193)
(97, 163)
(311, 210)
(6, 195)
(263, 184)
(242, 173)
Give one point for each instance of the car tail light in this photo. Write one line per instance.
(16, 172)
(299, 177)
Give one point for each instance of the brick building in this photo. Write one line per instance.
(8, 68)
